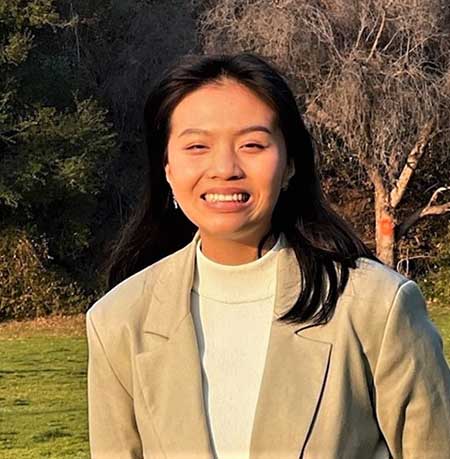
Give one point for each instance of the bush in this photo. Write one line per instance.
(28, 287)
(436, 285)
(57, 145)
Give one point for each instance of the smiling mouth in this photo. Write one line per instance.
(216, 197)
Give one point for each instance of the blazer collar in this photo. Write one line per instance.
(169, 306)
(170, 374)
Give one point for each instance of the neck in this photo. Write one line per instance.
(234, 251)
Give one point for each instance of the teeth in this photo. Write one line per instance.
(213, 197)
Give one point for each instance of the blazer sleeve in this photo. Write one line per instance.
(412, 381)
(113, 432)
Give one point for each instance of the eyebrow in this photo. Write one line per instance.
(240, 132)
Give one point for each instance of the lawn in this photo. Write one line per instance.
(43, 390)
(441, 318)
(43, 386)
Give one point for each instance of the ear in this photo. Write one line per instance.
(290, 170)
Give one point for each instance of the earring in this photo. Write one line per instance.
(175, 203)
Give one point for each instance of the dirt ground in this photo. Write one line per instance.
(54, 325)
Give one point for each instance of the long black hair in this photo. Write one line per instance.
(326, 247)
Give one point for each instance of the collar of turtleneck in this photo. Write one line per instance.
(247, 282)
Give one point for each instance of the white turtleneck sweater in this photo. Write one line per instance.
(232, 308)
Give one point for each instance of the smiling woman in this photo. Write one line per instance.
(245, 318)
(235, 150)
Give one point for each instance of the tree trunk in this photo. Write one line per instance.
(384, 228)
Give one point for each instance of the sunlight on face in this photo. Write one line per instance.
(223, 137)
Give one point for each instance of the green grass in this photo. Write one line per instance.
(441, 317)
(43, 396)
(43, 407)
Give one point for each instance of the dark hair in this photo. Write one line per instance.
(326, 247)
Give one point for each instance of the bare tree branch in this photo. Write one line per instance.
(411, 164)
(406, 261)
(360, 32)
(430, 209)
(317, 115)
(377, 38)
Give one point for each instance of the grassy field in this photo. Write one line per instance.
(441, 317)
(43, 389)
(43, 386)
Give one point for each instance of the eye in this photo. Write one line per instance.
(254, 145)
(195, 147)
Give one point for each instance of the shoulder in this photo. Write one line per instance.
(127, 302)
(373, 292)
(374, 289)
(377, 296)
(377, 302)
(375, 285)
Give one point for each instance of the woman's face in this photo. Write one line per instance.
(224, 144)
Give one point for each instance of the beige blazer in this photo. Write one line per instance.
(371, 384)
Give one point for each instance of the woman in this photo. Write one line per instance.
(246, 319)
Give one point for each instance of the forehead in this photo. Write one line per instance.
(227, 105)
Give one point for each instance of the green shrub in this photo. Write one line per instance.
(28, 287)
(57, 144)
(436, 285)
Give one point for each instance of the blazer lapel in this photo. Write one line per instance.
(170, 373)
(290, 392)
(294, 375)
(171, 378)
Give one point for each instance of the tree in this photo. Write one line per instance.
(53, 160)
(55, 147)
(374, 81)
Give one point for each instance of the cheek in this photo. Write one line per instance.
(269, 173)
(184, 174)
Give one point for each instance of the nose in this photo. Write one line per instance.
(225, 163)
